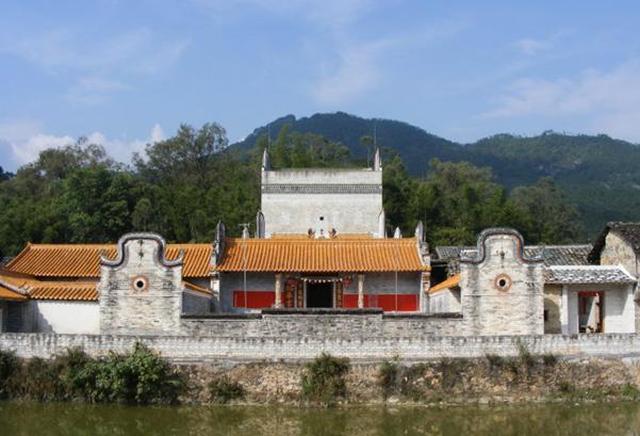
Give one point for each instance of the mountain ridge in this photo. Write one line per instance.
(600, 174)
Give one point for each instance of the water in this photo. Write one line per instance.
(72, 419)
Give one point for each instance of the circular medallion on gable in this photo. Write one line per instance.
(139, 284)
(503, 282)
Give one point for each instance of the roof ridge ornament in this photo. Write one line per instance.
(266, 161)
(480, 253)
(141, 237)
(377, 160)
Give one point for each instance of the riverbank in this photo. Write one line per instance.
(142, 376)
(491, 380)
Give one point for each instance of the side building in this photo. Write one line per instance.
(579, 293)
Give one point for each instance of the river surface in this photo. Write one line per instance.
(73, 419)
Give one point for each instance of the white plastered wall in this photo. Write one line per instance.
(79, 317)
(619, 308)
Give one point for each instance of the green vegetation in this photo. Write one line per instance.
(183, 186)
(323, 380)
(388, 378)
(223, 390)
(138, 377)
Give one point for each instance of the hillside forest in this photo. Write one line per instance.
(182, 186)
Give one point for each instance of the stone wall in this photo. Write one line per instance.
(552, 304)
(617, 251)
(445, 301)
(317, 323)
(501, 288)
(195, 303)
(140, 292)
(357, 348)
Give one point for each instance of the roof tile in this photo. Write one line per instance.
(83, 260)
(321, 255)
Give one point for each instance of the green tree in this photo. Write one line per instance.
(551, 218)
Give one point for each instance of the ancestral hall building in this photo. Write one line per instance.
(320, 245)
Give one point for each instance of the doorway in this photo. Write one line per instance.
(590, 312)
(320, 294)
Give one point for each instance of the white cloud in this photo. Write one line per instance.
(26, 140)
(96, 68)
(355, 74)
(94, 90)
(608, 101)
(138, 50)
(530, 46)
(358, 68)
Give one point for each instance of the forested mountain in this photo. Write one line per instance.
(600, 175)
(182, 186)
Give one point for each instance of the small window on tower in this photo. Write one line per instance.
(321, 218)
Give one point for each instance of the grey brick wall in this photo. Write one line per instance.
(487, 309)
(155, 309)
(357, 348)
(321, 325)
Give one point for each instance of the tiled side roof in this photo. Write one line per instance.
(450, 252)
(8, 294)
(589, 274)
(49, 289)
(75, 291)
(552, 254)
(196, 288)
(321, 255)
(451, 282)
(561, 254)
(83, 260)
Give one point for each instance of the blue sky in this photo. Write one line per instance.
(126, 73)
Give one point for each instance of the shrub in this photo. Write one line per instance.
(38, 380)
(323, 379)
(223, 389)
(549, 359)
(526, 358)
(140, 377)
(566, 387)
(9, 365)
(630, 392)
(388, 376)
(452, 371)
(495, 362)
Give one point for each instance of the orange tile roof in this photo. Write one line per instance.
(321, 255)
(8, 294)
(196, 288)
(446, 284)
(83, 260)
(76, 291)
(50, 289)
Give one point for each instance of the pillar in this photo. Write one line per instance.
(215, 288)
(564, 310)
(425, 285)
(278, 302)
(360, 291)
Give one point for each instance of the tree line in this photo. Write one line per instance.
(182, 186)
